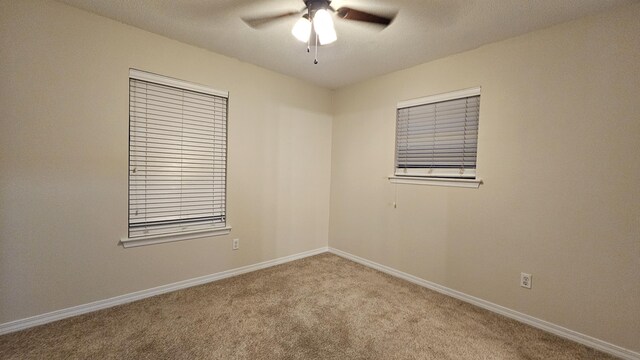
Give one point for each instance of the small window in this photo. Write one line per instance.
(437, 136)
(177, 159)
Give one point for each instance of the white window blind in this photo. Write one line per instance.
(177, 156)
(438, 136)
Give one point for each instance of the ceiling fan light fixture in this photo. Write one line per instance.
(317, 22)
(323, 25)
(302, 29)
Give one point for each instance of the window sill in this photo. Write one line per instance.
(165, 238)
(433, 181)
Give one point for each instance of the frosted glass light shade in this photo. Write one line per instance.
(323, 25)
(302, 30)
(327, 37)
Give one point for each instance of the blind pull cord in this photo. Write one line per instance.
(395, 196)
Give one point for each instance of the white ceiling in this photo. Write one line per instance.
(423, 30)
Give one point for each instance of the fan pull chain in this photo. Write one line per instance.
(315, 61)
(310, 18)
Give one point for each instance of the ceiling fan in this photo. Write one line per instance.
(316, 24)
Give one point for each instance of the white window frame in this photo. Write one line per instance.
(186, 232)
(435, 176)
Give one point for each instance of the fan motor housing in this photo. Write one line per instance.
(315, 5)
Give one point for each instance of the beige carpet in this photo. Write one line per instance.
(323, 307)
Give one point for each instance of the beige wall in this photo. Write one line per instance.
(63, 160)
(559, 152)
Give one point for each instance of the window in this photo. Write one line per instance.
(437, 136)
(177, 160)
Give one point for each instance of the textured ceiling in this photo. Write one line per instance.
(424, 30)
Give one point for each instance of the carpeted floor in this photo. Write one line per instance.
(322, 307)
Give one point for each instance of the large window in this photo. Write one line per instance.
(437, 136)
(177, 160)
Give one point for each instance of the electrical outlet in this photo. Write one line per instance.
(525, 280)
(235, 244)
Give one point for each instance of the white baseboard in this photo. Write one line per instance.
(138, 295)
(530, 320)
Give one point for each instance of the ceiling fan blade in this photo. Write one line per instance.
(259, 22)
(348, 13)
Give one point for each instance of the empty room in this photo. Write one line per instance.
(314, 179)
